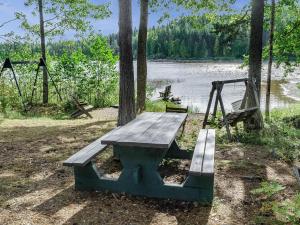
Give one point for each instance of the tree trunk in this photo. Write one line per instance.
(43, 49)
(268, 92)
(126, 97)
(142, 57)
(255, 63)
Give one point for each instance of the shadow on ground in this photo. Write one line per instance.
(36, 189)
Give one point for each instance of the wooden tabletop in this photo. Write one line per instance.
(155, 130)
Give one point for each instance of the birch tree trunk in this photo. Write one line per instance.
(142, 57)
(126, 96)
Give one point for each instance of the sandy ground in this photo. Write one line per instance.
(36, 189)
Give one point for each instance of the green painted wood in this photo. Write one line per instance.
(198, 189)
(139, 175)
(175, 152)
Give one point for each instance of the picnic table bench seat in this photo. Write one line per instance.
(203, 157)
(85, 155)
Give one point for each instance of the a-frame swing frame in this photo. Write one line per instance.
(42, 64)
(8, 64)
(239, 115)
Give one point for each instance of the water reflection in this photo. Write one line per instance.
(192, 83)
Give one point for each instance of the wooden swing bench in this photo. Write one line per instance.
(139, 174)
(239, 113)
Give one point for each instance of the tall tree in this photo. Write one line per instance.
(255, 62)
(55, 18)
(142, 57)
(43, 51)
(126, 97)
(268, 92)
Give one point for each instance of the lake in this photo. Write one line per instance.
(192, 83)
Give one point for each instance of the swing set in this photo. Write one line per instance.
(8, 64)
(240, 111)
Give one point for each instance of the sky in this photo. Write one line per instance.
(106, 26)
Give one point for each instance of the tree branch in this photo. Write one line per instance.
(48, 20)
(3, 24)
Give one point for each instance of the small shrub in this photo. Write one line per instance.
(280, 136)
(268, 189)
(288, 211)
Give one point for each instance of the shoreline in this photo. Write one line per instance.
(195, 60)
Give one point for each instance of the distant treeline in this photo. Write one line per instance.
(181, 40)
(176, 40)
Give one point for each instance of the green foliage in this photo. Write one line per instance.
(91, 76)
(158, 106)
(63, 15)
(183, 39)
(287, 34)
(86, 68)
(280, 136)
(298, 85)
(268, 189)
(288, 211)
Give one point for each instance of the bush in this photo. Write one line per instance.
(282, 137)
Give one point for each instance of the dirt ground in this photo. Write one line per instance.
(36, 189)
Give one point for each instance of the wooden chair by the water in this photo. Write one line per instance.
(166, 94)
(178, 110)
(82, 108)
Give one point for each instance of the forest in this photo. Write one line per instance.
(182, 39)
(184, 113)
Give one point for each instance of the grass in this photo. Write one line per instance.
(158, 106)
(298, 85)
(268, 189)
(280, 136)
(273, 211)
(40, 111)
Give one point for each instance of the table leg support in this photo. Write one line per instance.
(176, 153)
(204, 185)
(87, 177)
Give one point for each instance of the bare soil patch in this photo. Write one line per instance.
(36, 189)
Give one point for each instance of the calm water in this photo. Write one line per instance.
(192, 83)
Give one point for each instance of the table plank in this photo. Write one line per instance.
(199, 152)
(208, 161)
(160, 134)
(156, 130)
(140, 124)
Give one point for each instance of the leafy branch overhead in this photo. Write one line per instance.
(63, 15)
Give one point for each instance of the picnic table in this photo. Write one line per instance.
(141, 145)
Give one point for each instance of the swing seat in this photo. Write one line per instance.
(237, 105)
(239, 115)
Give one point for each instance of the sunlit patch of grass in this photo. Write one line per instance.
(39, 111)
(158, 106)
(280, 136)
